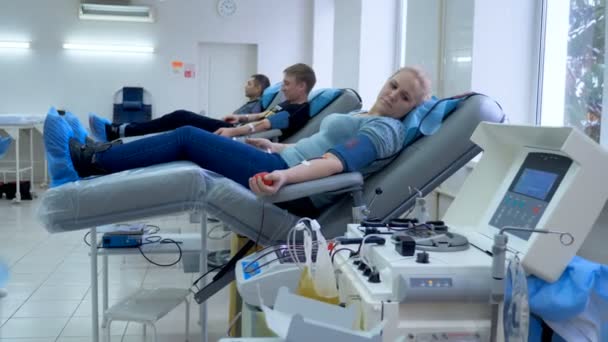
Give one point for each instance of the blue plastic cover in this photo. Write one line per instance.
(57, 135)
(568, 296)
(80, 133)
(582, 281)
(269, 94)
(3, 275)
(320, 98)
(5, 143)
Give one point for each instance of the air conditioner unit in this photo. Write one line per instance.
(116, 12)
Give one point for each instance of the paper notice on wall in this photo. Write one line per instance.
(177, 67)
(189, 71)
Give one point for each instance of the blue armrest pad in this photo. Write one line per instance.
(279, 120)
(321, 98)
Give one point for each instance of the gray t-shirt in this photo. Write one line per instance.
(386, 134)
(251, 107)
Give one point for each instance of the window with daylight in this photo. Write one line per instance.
(573, 92)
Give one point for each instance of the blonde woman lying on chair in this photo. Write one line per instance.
(358, 142)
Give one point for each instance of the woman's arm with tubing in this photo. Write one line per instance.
(309, 170)
(267, 145)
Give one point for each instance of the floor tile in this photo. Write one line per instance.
(32, 327)
(49, 284)
(81, 326)
(9, 306)
(60, 292)
(116, 338)
(62, 308)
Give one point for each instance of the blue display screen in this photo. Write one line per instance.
(535, 183)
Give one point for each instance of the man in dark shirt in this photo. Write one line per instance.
(254, 88)
(288, 116)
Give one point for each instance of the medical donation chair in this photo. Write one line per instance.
(184, 187)
(323, 102)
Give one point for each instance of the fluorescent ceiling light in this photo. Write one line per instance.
(109, 48)
(465, 59)
(15, 45)
(116, 13)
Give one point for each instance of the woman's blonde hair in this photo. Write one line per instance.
(424, 82)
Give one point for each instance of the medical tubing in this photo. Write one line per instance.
(291, 244)
(362, 247)
(225, 235)
(270, 262)
(276, 248)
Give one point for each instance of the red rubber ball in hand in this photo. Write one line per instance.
(264, 180)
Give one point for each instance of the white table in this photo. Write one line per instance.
(191, 243)
(13, 124)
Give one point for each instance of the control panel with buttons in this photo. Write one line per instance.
(530, 192)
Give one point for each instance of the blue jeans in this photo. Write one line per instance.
(230, 158)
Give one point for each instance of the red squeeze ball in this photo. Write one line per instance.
(264, 180)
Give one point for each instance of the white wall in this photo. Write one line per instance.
(458, 47)
(423, 37)
(378, 44)
(364, 45)
(33, 80)
(347, 33)
(323, 42)
(82, 82)
(505, 55)
(438, 32)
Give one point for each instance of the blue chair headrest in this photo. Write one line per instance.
(5, 143)
(132, 97)
(269, 94)
(426, 119)
(321, 98)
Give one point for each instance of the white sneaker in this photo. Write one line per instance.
(3, 293)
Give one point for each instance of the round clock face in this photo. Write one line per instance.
(226, 8)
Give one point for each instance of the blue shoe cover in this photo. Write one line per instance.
(57, 135)
(5, 143)
(3, 276)
(80, 133)
(97, 125)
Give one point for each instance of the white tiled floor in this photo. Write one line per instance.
(49, 296)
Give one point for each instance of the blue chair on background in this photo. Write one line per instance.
(135, 105)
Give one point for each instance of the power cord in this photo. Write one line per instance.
(150, 239)
(337, 250)
(160, 240)
(84, 238)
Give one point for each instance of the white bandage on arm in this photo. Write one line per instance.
(251, 128)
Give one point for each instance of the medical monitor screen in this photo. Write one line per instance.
(535, 183)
